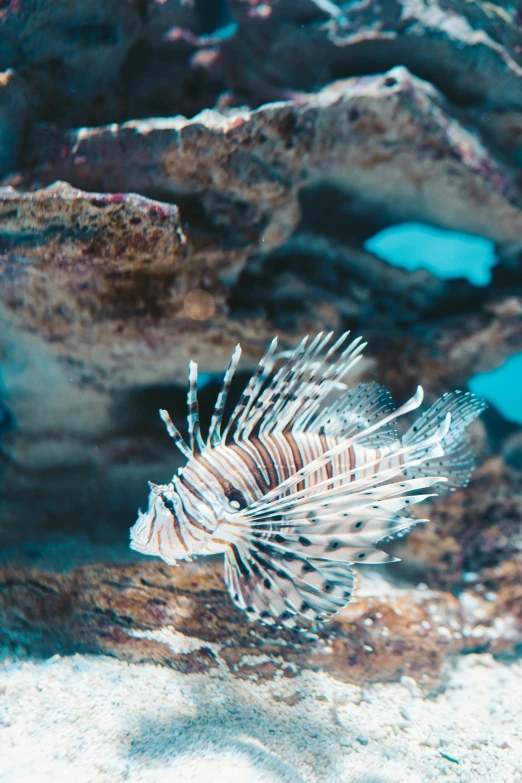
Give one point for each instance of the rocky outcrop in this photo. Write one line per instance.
(184, 618)
(390, 143)
(476, 536)
(300, 45)
(96, 62)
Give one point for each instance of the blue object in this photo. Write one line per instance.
(447, 254)
(502, 387)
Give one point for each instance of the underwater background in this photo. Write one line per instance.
(178, 176)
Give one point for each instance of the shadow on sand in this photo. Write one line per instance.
(219, 733)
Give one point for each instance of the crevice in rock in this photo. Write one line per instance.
(330, 210)
(212, 16)
(314, 268)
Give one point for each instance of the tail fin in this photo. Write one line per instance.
(456, 460)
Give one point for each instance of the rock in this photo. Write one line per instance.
(246, 170)
(475, 531)
(71, 55)
(72, 258)
(184, 618)
(101, 62)
(62, 250)
(128, 248)
(301, 45)
(102, 280)
(330, 152)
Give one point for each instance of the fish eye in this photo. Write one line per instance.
(168, 502)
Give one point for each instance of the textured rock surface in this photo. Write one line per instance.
(295, 44)
(474, 532)
(184, 618)
(101, 61)
(377, 137)
(104, 62)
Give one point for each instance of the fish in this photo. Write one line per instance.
(304, 480)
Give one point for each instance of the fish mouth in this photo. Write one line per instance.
(141, 532)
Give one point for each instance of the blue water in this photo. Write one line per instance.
(447, 254)
(502, 388)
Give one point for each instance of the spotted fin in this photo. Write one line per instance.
(355, 411)
(294, 568)
(456, 458)
(280, 588)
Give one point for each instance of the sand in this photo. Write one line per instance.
(87, 718)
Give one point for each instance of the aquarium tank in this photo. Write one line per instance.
(260, 391)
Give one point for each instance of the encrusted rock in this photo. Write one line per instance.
(475, 537)
(185, 619)
(92, 322)
(305, 44)
(389, 141)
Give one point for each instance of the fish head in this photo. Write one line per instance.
(157, 531)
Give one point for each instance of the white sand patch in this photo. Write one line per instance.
(92, 718)
(179, 643)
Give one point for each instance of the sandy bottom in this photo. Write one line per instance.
(86, 718)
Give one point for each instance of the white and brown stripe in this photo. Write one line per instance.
(243, 472)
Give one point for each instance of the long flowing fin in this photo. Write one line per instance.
(456, 461)
(175, 434)
(271, 396)
(291, 387)
(321, 384)
(214, 433)
(309, 373)
(249, 394)
(323, 378)
(296, 569)
(260, 403)
(193, 410)
(356, 410)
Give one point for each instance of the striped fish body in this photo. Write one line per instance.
(225, 478)
(297, 489)
(242, 474)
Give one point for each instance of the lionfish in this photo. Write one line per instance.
(305, 479)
